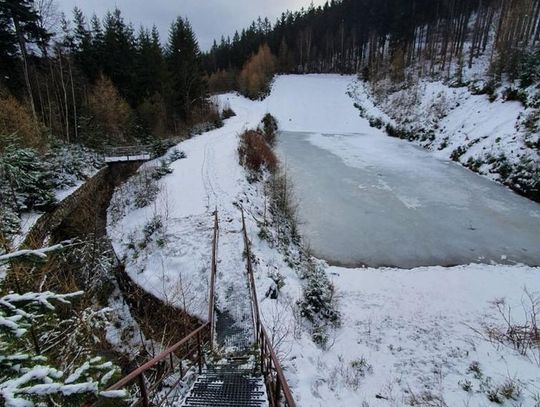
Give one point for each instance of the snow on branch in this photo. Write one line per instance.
(13, 301)
(45, 381)
(36, 254)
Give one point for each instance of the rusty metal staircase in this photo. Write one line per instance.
(249, 377)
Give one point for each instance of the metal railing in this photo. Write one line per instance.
(188, 346)
(127, 153)
(171, 360)
(213, 273)
(278, 390)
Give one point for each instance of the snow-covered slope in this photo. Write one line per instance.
(407, 337)
(307, 103)
(487, 134)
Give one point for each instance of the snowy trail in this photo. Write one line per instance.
(209, 178)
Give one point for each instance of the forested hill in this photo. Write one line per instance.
(95, 81)
(353, 35)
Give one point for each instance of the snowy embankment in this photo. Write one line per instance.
(495, 137)
(408, 337)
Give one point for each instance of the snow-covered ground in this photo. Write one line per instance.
(415, 334)
(408, 337)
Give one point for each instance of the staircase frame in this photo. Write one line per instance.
(278, 390)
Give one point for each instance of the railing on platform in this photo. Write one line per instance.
(278, 390)
(127, 153)
(171, 360)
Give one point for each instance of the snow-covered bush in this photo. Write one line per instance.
(176, 155)
(26, 182)
(29, 179)
(278, 282)
(146, 189)
(153, 226)
(227, 112)
(269, 128)
(137, 192)
(319, 303)
(160, 147)
(26, 376)
(69, 163)
(516, 95)
(161, 170)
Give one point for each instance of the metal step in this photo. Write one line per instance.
(234, 383)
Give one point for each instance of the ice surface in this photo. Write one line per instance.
(374, 200)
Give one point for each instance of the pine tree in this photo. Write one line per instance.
(8, 49)
(149, 65)
(20, 20)
(184, 66)
(86, 53)
(118, 54)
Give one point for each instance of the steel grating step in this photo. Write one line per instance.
(233, 383)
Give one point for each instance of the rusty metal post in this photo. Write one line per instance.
(262, 344)
(278, 390)
(211, 300)
(144, 393)
(199, 354)
(171, 359)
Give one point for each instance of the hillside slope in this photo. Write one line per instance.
(491, 135)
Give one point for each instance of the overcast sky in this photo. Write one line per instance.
(210, 18)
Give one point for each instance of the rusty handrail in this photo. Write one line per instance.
(271, 368)
(162, 356)
(198, 334)
(211, 300)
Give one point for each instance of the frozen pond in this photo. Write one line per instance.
(373, 200)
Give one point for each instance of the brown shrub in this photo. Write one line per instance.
(257, 73)
(255, 153)
(111, 112)
(15, 118)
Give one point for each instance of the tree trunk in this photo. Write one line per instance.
(63, 83)
(24, 54)
(75, 126)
